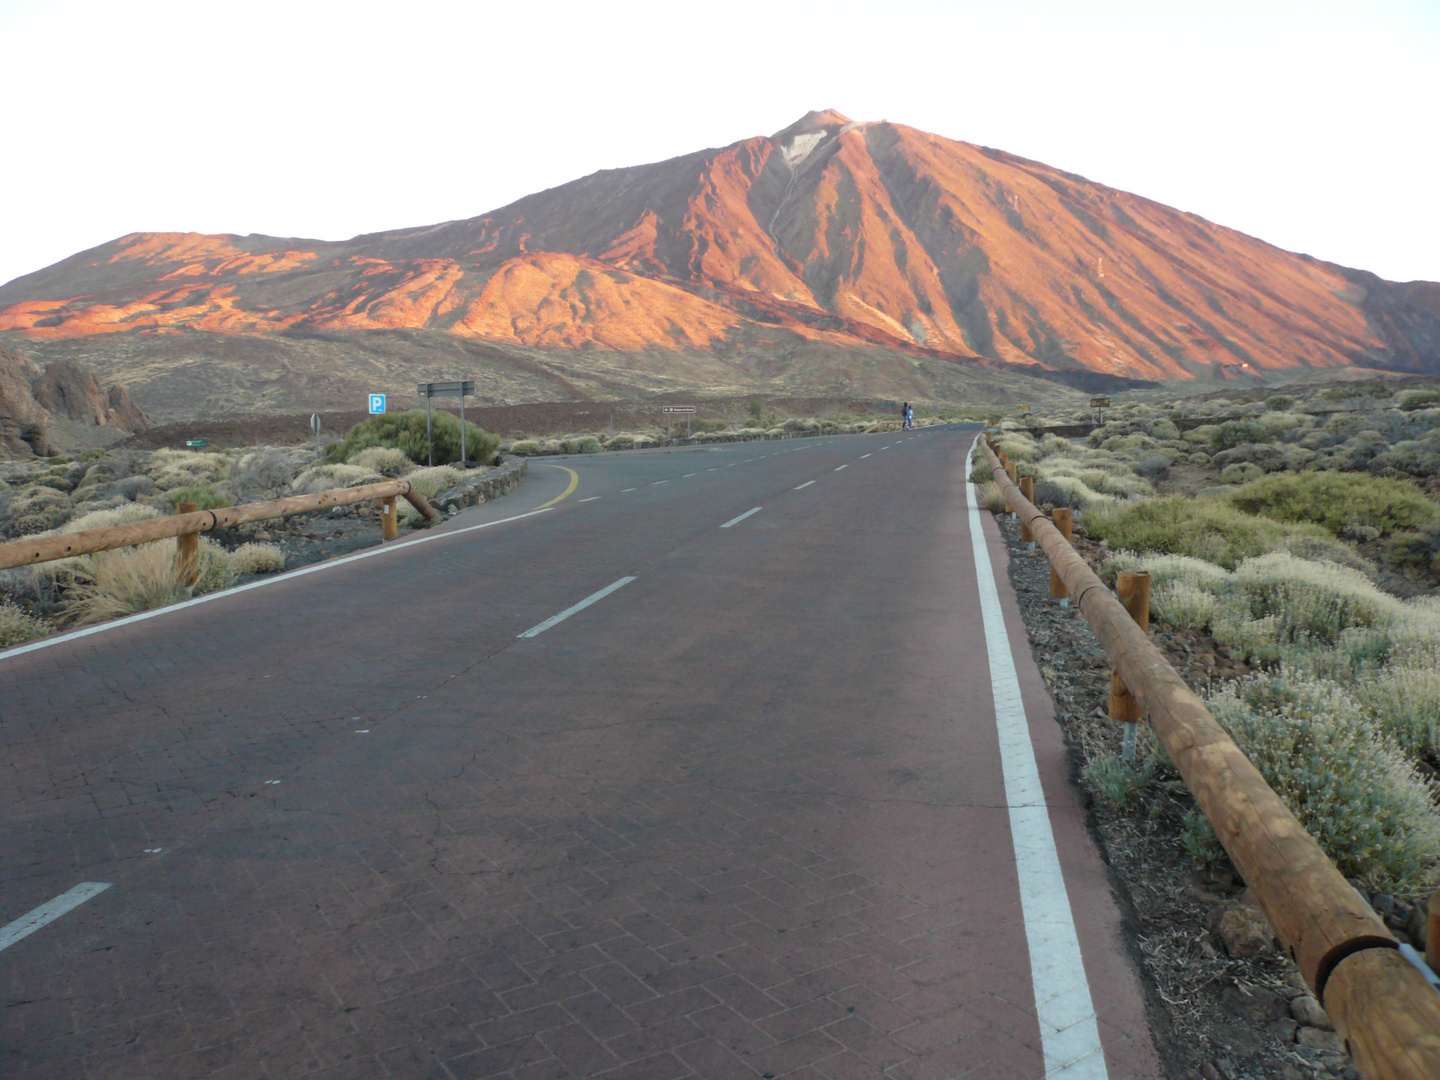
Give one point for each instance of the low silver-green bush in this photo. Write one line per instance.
(1354, 792)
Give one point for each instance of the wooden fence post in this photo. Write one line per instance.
(187, 551)
(1027, 488)
(389, 528)
(1133, 590)
(1432, 933)
(1061, 516)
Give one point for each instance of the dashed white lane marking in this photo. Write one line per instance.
(540, 628)
(49, 911)
(1069, 1035)
(657, 483)
(742, 517)
(712, 468)
(885, 447)
(592, 498)
(210, 598)
(839, 467)
(864, 456)
(624, 490)
(687, 476)
(806, 484)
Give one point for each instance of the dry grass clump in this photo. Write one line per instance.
(113, 584)
(257, 558)
(430, 482)
(527, 446)
(17, 626)
(108, 518)
(385, 460)
(320, 478)
(990, 497)
(186, 468)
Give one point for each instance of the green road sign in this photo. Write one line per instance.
(194, 444)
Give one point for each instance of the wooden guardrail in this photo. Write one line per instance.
(1384, 1009)
(38, 549)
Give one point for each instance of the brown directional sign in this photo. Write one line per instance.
(1099, 402)
(677, 408)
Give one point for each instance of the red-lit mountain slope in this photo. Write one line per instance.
(828, 234)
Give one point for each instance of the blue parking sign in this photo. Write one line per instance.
(377, 403)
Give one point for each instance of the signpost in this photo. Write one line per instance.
(377, 404)
(458, 389)
(686, 411)
(194, 444)
(315, 427)
(1099, 404)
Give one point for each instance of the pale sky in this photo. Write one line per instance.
(1310, 125)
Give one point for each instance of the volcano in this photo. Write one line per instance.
(866, 257)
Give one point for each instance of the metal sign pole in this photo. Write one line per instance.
(462, 426)
(429, 438)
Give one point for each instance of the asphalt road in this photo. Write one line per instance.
(742, 815)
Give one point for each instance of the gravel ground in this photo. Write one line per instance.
(1215, 1015)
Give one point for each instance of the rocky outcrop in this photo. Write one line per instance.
(32, 398)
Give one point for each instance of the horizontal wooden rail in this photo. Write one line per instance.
(1387, 1013)
(40, 549)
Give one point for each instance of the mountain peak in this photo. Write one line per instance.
(814, 120)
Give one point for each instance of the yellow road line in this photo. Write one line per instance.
(574, 483)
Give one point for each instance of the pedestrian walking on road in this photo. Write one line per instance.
(909, 417)
(905, 413)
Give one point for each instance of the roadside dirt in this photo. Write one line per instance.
(1216, 1016)
(542, 418)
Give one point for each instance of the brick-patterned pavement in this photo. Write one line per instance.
(742, 818)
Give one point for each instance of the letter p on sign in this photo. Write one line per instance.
(377, 403)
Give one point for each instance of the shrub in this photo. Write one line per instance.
(1241, 472)
(1354, 793)
(980, 471)
(1153, 467)
(1206, 529)
(255, 558)
(1311, 601)
(216, 570)
(204, 496)
(1279, 402)
(1235, 432)
(1404, 702)
(17, 626)
(532, 446)
(1183, 604)
(1335, 500)
(1117, 781)
(1417, 399)
(266, 473)
(405, 431)
(585, 444)
(385, 460)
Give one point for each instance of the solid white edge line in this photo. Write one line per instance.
(806, 484)
(1069, 1034)
(742, 517)
(540, 628)
(49, 911)
(313, 568)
